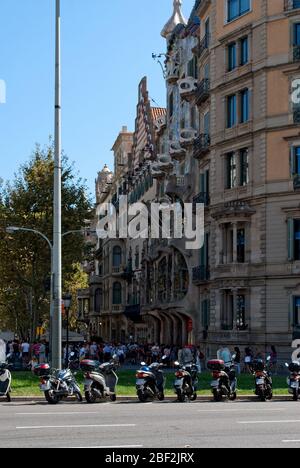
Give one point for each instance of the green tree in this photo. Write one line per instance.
(25, 257)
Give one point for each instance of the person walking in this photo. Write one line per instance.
(237, 360)
(25, 351)
(248, 361)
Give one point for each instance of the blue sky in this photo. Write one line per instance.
(106, 50)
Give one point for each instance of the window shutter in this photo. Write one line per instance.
(291, 234)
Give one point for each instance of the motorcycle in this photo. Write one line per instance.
(5, 381)
(224, 382)
(151, 382)
(263, 380)
(57, 384)
(186, 383)
(293, 380)
(100, 380)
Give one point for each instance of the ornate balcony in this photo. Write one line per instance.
(203, 91)
(201, 146)
(172, 75)
(165, 164)
(157, 172)
(201, 274)
(177, 152)
(187, 137)
(187, 88)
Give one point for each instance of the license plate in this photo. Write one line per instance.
(140, 382)
(44, 388)
(215, 383)
(178, 383)
(260, 382)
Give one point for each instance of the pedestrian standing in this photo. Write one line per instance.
(237, 360)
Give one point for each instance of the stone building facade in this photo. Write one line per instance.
(229, 138)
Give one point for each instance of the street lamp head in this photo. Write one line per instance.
(12, 229)
(67, 299)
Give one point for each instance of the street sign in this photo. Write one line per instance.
(40, 331)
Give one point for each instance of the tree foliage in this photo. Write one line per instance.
(25, 259)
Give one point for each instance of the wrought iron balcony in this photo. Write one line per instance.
(297, 115)
(203, 91)
(201, 146)
(203, 45)
(297, 182)
(201, 274)
(296, 53)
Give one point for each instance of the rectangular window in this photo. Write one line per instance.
(206, 123)
(244, 105)
(244, 47)
(241, 312)
(295, 160)
(296, 312)
(294, 239)
(297, 239)
(227, 311)
(244, 167)
(297, 34)
(231, 170)
(232, 52)
(205, 309)
(237, 8)
(231, 111)
(241, 246)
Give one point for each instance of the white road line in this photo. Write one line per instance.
(291, 421)
(57, 414)
(242, 410)
(72, 426)
(291, 441)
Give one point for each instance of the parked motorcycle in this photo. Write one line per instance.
(151, 382)
(224, 382)
(293, 380)
(100, 380)
(5, 381)
(263, 380)
(186, 383)
(57, 384)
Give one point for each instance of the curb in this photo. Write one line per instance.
(201, 398)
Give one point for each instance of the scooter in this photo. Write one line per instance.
(293, 380)
(151, 382)
(5, 381)
(263, 380)
(100, 380)
(224, 382)
(186, 383)
(57, 385)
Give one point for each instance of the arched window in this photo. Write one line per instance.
(117, 294)
(98, 300)
(117, 257)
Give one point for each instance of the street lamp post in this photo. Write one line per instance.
(67, 301)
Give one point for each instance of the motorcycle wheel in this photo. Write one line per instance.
(233, 396)
(8, 398)
(90, 397)
(181, 397)
(194, 397)
(51, 398)
(113, 398)
(270, 396)
(161, 396)
(217, 396)
(79, 397)
(142, 397)
(295, 395)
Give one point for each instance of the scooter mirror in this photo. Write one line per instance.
(287, 365)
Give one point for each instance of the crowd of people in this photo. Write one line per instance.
(30, 354)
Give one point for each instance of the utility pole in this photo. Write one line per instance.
(57, 262)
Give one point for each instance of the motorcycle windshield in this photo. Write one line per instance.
(2, 351)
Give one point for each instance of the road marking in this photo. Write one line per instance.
(291, 441)
(291, 421)
(57, 414)
(83, 426)
(241, 410)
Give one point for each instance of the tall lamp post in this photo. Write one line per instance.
(67, 301)
(57, 254)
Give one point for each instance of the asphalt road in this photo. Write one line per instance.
(153, 425)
